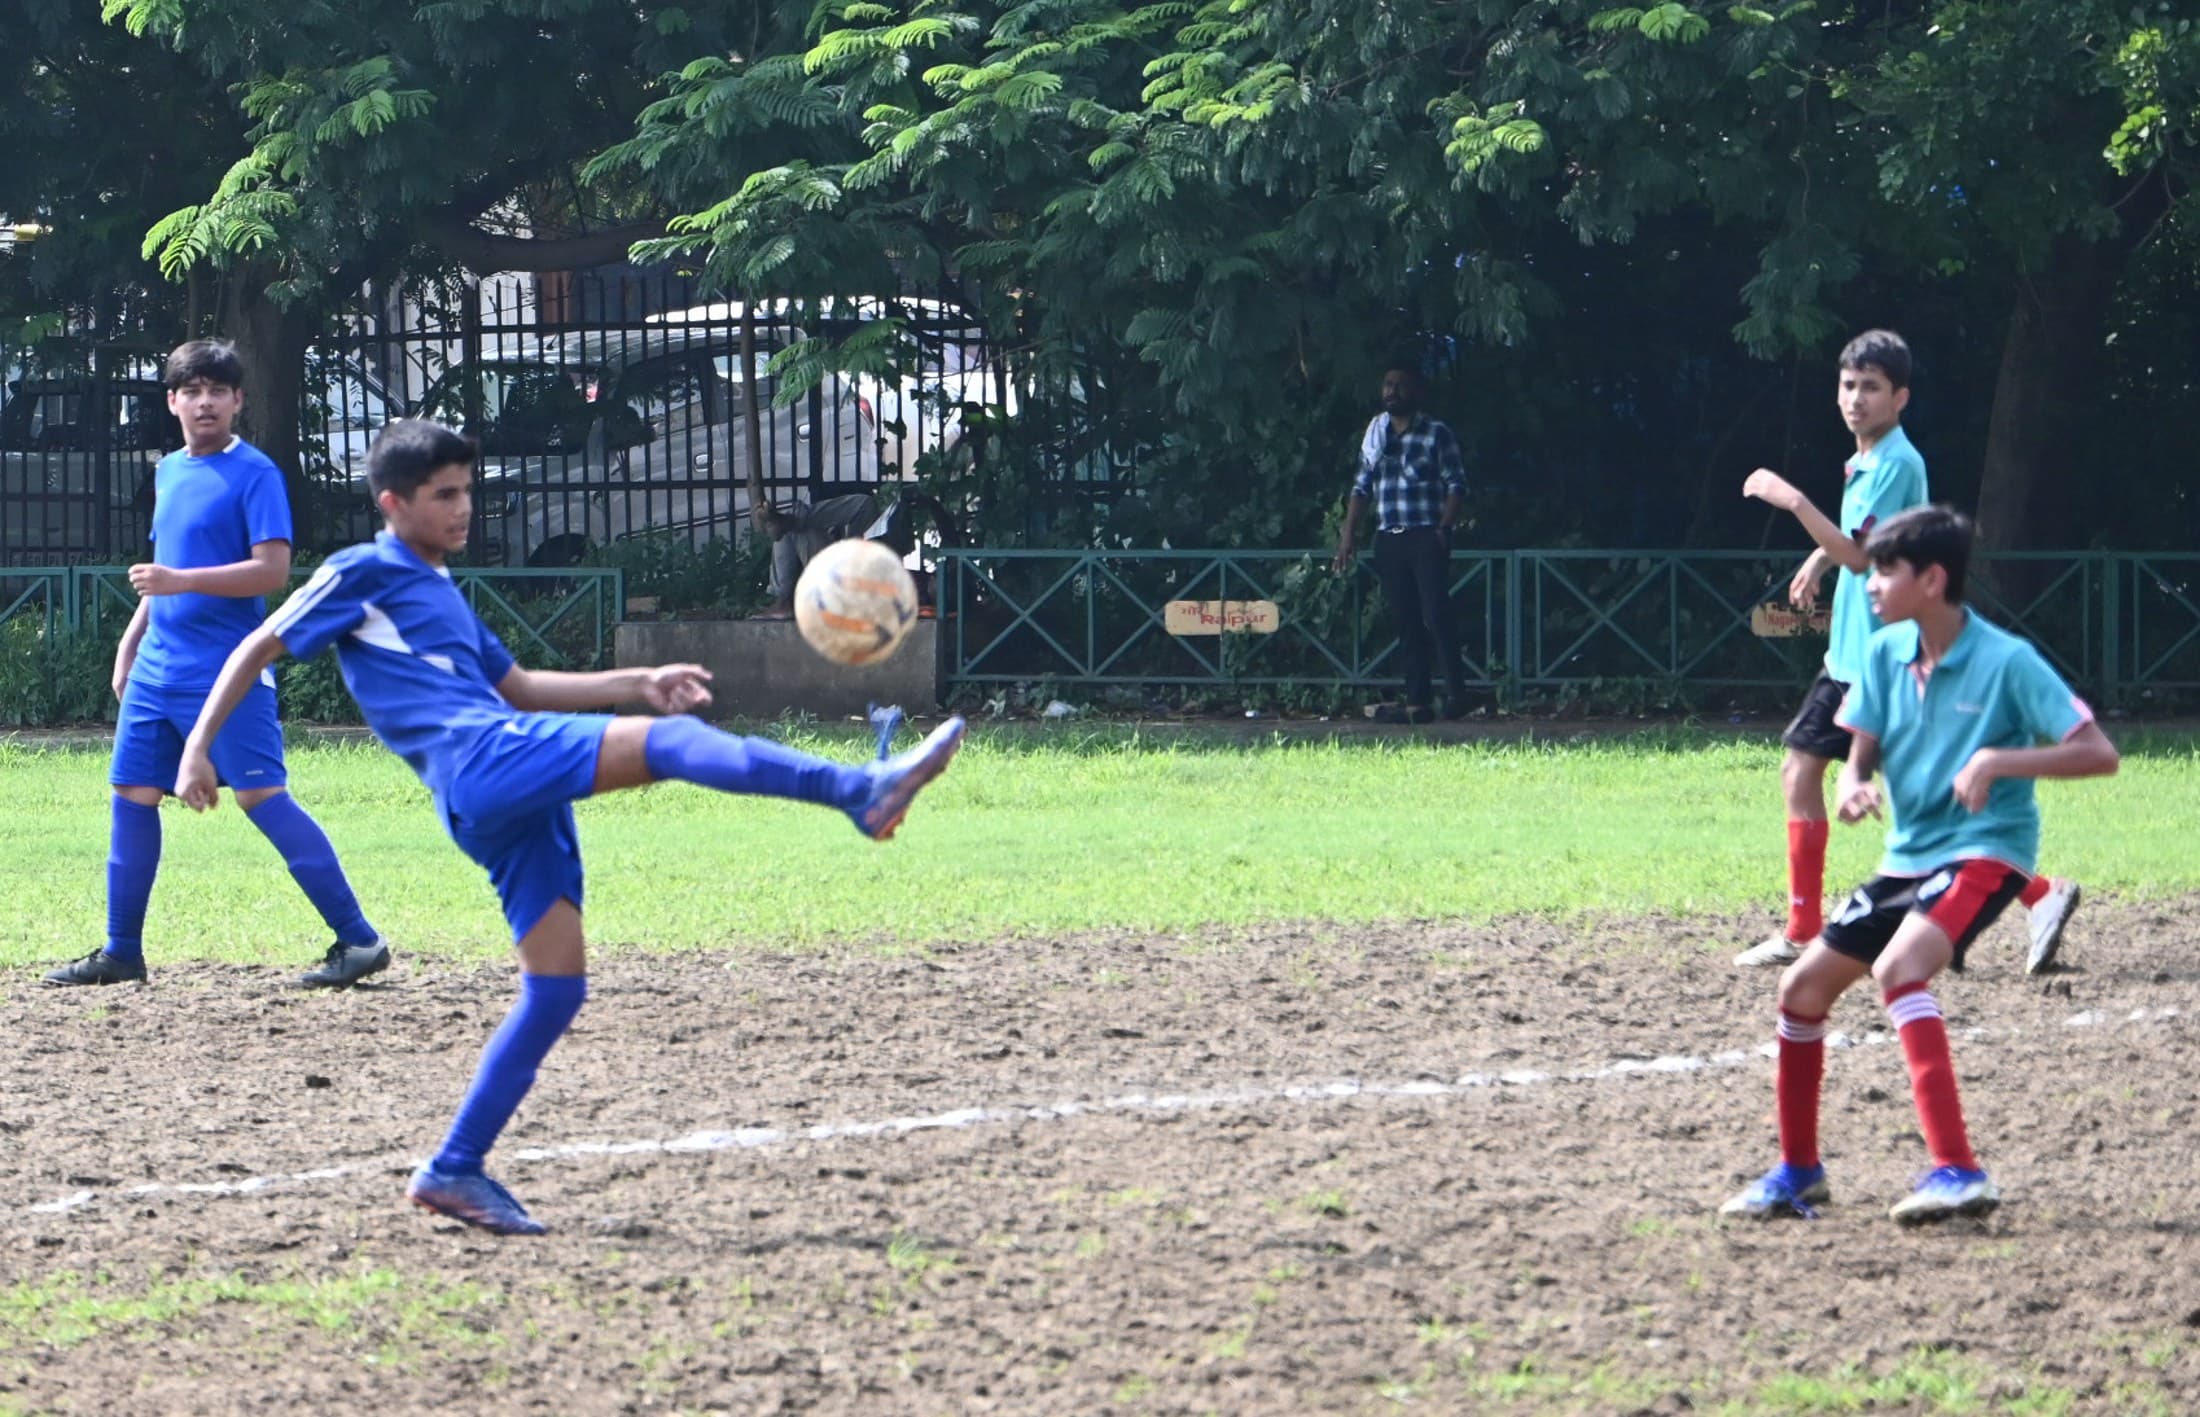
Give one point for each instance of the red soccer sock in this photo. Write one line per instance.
(1796, 1083)
(2033, 890)
(1916, 1016)
(1806, 879)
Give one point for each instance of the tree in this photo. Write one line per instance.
(1256, 198)
(368, 141)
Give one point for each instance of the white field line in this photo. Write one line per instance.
(1230, 1099)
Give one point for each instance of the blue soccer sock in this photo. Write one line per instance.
(546, 1007)
(313, 865)
(133, 859)
(686, 749)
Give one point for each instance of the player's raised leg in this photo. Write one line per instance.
(876, 795)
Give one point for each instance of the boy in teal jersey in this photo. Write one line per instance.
(1957, 711)
(1886, 477)
(221, 541)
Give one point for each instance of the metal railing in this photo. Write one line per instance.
(555, 619)
(2114, 623)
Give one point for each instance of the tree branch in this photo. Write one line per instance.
(481, 252)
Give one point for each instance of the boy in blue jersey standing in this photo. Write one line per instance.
(1886, 477)
(506, 752)
(1956, 710)
(221, 541)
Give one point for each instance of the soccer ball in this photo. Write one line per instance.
(855, 602)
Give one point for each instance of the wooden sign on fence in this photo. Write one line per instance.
(1212, 617)
(1774, 621)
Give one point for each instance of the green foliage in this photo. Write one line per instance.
(725, 578)
(49, 680)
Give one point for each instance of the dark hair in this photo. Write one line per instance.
(1883, 350)
(204, 361)
(1926, 536)
(409, 451)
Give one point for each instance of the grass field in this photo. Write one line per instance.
(1038, 832)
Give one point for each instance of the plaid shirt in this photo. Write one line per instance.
(1408, 475)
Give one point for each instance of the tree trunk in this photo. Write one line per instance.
(272, 341)
(2047, 390)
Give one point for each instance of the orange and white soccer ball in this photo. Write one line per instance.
(855, 602)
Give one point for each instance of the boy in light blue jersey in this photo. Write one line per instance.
(506, 752)
(1956, 710)
(221, 541)
(1886, 477)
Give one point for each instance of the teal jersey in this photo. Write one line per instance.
(1994, 690)
(1888, 479)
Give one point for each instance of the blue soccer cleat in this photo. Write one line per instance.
(474, 1199)
(896, 782)
(1783, 1191)
(1946, 1191)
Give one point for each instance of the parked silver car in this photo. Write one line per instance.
(608, 434)
(76, 465)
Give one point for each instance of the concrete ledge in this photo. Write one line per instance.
(762, 668)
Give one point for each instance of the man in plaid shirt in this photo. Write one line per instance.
(1410, 470)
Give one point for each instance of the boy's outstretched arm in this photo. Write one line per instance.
(195, 781)
(2085, 753)
(1843, 550)
(667, 688)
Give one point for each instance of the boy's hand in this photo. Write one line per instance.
(1858, 800)
(1768, 486)
(123, 661)
(1978, 778)
(151, 579)
(1342, 561)
(1803, 590)
(195, 781)
(676, 688)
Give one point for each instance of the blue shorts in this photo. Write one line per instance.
(509, 805)
(154, 721)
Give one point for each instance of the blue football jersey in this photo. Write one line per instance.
(208, 511)
(421, 664)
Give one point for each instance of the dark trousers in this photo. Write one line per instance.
(1415, 568)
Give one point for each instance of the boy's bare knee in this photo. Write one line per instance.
(143, 796)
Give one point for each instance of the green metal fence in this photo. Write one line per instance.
(2116, 623)
(550, 618)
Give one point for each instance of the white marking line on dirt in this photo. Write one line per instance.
(1239, 1098)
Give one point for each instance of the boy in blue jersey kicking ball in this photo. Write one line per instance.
(1957, 712)
(221, 541)
(506, 751)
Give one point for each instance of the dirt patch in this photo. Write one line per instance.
(1513, 1214)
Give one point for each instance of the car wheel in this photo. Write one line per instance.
(567, 550)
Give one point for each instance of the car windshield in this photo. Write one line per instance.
(514, 408)
(60, 416)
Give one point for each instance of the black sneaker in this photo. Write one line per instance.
(1403, 713)
(99, 967)
(345, 965)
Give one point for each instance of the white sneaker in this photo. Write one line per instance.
(1949, 1190)
(1777, 950)
(2047, 920)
